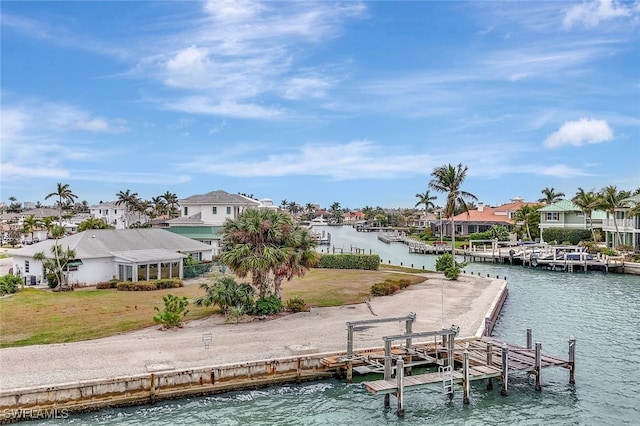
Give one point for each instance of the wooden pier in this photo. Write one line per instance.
(459, 361)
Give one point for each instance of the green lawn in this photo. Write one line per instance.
(34, 316)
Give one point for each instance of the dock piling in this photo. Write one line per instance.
(529, 339)
(465, 373)
(387, 368)
(572, 360)
(505, 370)
(538, 366)
(489, 363)
(400, 385)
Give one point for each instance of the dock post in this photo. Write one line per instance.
(387, 368)
(538, 386)
(409, 342)
(489, 363)
(465, 373)
(572, 360)
(505, 370)
(400, 385)
(349, 352)
(529, 339)
(451, 343)
(487, 326)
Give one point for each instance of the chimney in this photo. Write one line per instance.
(480, 207)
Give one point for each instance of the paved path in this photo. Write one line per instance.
(466, 303)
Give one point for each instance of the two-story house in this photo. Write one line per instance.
(203, 215)
(627, 226)
(565, 214)
(116, 215)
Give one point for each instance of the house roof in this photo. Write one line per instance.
(486, 215)
(561, 206)
(219, 197)
(97, 243)
(108, 205)
(198, 232)
(195, 219)
(138, 256)
(631, 201)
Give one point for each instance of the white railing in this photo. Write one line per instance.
(622, 223)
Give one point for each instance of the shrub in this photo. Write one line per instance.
(295, 304)
(9, 284)
(349, 261)
(572, 236)
(149, 285)
(389, 287)
(174, 309)
(268, 305)
(107, 284)
(228, 295)
(608, 251)
(448, 266)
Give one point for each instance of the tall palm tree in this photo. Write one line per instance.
(335, 212)
(309, 209)
(609, 199)
(550, 196)
(284, 204)
(426, 199)
(160, 206)
(448, 179)
(172, 204)
(586, 201)
(64, 193)
(526, 216)
(128, 199)
(254, 243)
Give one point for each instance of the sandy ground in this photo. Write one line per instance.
(466, 303)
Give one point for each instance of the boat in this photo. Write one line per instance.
(318, 221)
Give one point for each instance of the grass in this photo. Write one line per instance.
(33, 317)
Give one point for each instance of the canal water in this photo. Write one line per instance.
(600, 310)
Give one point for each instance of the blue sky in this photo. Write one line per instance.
(318, 102)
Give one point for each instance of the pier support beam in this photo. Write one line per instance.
(400, 385)
(387, 368)
(529, 339)
(466, 383)
(489, 363)
(572, 360)
(505, 370)
(349, 354)
(538, 366)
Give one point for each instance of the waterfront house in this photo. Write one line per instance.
(628, 226)
(566, 215)
(117, 215)
(484, 217)
(125, 254)
(203, 215)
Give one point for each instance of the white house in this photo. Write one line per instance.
(116, 215)
(203, 215)
(105, 254)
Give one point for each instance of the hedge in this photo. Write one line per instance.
(196, 270)
(149, 285)
(561, 235)
(349, 261)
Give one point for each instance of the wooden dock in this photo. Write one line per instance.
(459, 361)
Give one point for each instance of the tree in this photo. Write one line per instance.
(159, 206)
(54, 268)
(175, 308)
(335, 212)
(284, 204)
(64, 193)
(30, 224)
(448, 179)
(427, 200)
(610, 199)
(14, 206)
(128, 199)
(227, 294)
(259, 242)
(586, 201)
(93, 223)
(550, 196)
(300, 257)
(172, 204)
(528, 218)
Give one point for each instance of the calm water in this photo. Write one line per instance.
(600, 310)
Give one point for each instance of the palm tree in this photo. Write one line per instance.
(160, 206)
(335, 212)
(283, 204)
(93, 223)
(586, 201)
(309, 209)
(427, 200)
(448, 179)
(526, 216)
(64, 193)
(30, 224)
(128, 199)
(254, 243)
(300, 257)
(172, 203)
(550, 196)
(609, 199)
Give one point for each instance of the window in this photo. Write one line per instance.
(165, 272)
(115, 211)
(186, 211)
(552, 216)
(580, 214)
(26, 266)
(228, 210)
(214, 210)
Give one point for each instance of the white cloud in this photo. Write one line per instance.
(561, 171)
(581, 132)
(590, 14)
(202, 105)
(519, 76)
(302, 87)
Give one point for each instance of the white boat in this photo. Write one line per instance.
(318, 221)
